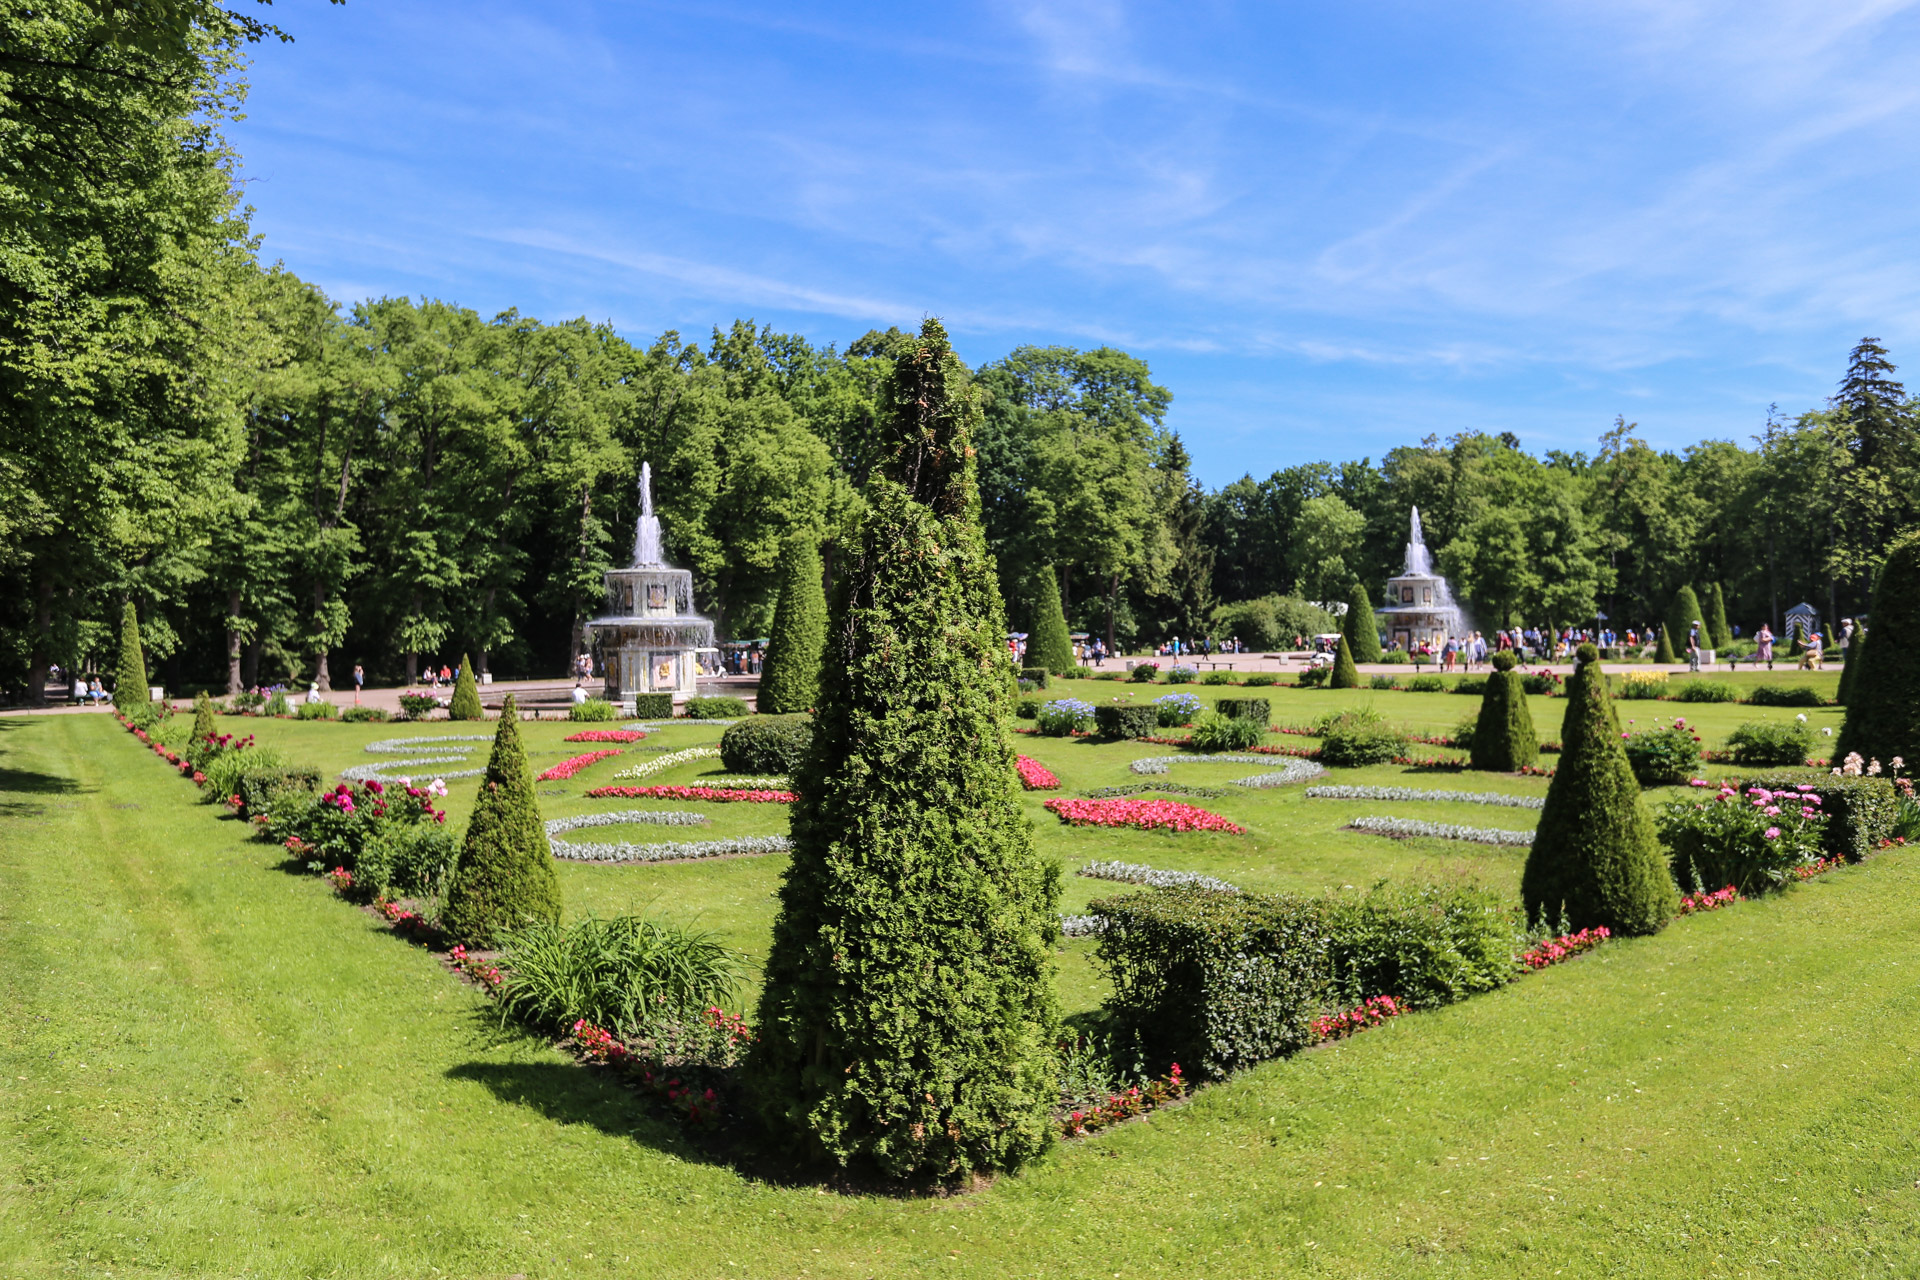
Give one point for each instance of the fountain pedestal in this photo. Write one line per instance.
(1420, 607)
(650, 640)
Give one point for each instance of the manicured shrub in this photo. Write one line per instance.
(414, 706)
(1175, 709)
(1663, 652)
(1706, 691)
(1049, 646)
(1861, 812)
(1035, 676)
(1396, 657)
(1064, 716)
(1850, 667)
(1144, 673)
(908, 1019)
(1027, 708)
(1596, 859)
(621, 974)
(1663, 757)
(1426, 684)
(790, 678)
(1681, 615)
(1313, 677)
(766, 746)
(1361, 626)
(505, 876)
(322, 710)
(1768, 744)
(1345, 674)
(653, 706)
(1217, 677)
(1382, 682)
(363, 715)
(1261, 681)
(1883, 705)
(130, 688)
(1258, 710)
(1771, 695)
(1215, 732)
(1177, 674)
(1504, 740)
(465, 703)
(1126, 720)
(1719, 636)
(717, 708)
(593, 711)
(1470, 686)
(1351, 739)
(1425, 944)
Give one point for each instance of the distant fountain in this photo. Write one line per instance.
(1420, 606)
(651, 640)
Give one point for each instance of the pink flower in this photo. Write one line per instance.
(1773, 833)
(1771, 810)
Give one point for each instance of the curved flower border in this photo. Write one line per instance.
(1414, 793)
(606, 852)
(1154, 877)
(1409, 828)
(660, 764)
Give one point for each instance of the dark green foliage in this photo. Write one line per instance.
(1850, 666)
(1663, 757)
(1596, 858)
(259, 788)
(130, 686)
(1382, 682)
(1261, 681)
(465, 703)
(1345, 674)
(1504, 740)
(1312, 677)
(413, 706)
(1361, 627)
(593, 711)
(907, 1022)
(1766, 744)
(1362, 736)
(1258, 710)
(204, 726)
(1503, 660)
(1706, 691)
(1861, 812)
(1049, 646)
(1719, 634)
(790, 678)
(1027, 708)
(322, 710)
(363, 715)
(1424, 944)
(1426, 684)
(1144, 673)
(717, 708)
(1883, 706)
(1770, 695)
(1215, 732)
(1475, 686)
(1217, 677)
(1681, 615)
(653, 706)
(1664, 652)
(766, 745)
(505, 877)
(1126, 720)
(410, 860)
(620, 974)
(1398, 658)
(1035, 676)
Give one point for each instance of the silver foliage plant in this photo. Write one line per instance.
(1140, 873)
(1407, 828)
(398, 770)
(604, 851)
(1413, 793)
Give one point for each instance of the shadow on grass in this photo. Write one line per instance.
(567, 1093)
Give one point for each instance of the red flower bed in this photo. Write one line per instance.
(567, 768)
(1694, 903)
(1565, 947)
(719, 795)
(1336, 1026)
(1035, 776)
(1125, 1106)
(1147, 815)
(605, 735)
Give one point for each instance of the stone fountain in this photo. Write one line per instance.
(651, 640)
(1420, 606)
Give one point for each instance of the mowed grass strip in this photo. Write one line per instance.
(212, 1067)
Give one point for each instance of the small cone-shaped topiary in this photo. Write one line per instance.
(1719, 634)
(907, 1022)
(790, 680)
(1503, 736)
(1596, 858)
(1345, 674)
(1361, 626)
(1681, 615)
(130, 688)
(1663, 652)
(1883, 702)
(204, 725)
(504, 877)
(1050, 645)
(465, 703)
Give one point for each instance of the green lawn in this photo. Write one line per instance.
(213, 1067)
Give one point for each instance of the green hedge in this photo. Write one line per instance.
(1259, 710)
(593, 711)
(1036, 676)
(766, 744)
(1126, 720)
(1772, 695)
(259, 788)
(717, 708)
(653, 706)
(1860, 811)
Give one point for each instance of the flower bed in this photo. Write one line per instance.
(389, 771)
(662, 763)
(719, 795)
(605, 735)
(1139, 873)
(1125, 1106)
(1413, 793)
(1285, 776)
(567, 768)
(1565, 947)
(1035, 776)
(622, 852)
(1142, 815)
(1166, 788)
(1694, 903)
(1087, 926)
(1338, 1026)
(1411, 828)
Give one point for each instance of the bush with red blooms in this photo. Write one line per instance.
(1035, 776)
(719, 795)
(1337, 1026)
(605, 735)
(567, 768)
(1125, 1105)
(1144, 815)
(1565, 947)
(691, 1090)
(485, 972)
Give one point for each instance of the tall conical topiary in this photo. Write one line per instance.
(790, 680)
(1503, 736)
(1595, 857)
(907, 1021)
(504, 877)
(1883, 700)
(1050, 645)
(204, 725)
(130, 688)
(1361, 626)
(1681, 615)
(465, 703)
(1663, 652)
(1345, 674)
(1719, 634)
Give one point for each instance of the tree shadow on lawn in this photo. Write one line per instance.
(18, 784)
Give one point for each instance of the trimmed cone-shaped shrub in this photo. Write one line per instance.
(1345, 674)
(1596, 857)
(1503, 736)
(465, 703)
(130, 686)
(1663, 652)
(204, 725)
(907, 1023)
(790, 680)
(505, 876)
(1719, 634)
(1361, 626)
(1883, 702)
(1050, 645)
(1681, 615)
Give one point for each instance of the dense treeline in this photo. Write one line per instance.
(283, 485)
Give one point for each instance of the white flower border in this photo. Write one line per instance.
(1295, 770)
(389, 770)
(605, 852)
(1082, 926)
(1405, 828)
(1154, 877)
(1413, 793)
(660, 764)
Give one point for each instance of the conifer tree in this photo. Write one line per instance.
(1595, 856)
(908, 1018)
(1503, 736)
(1361, 626)
(1883, 699)
(1663, 653)
(204, 725)
(505, 876)
(465, 703)
(1719, 634)
(790, 680)
(1681, 615)
(1050, 645)
(130, 688)
(1345, 674)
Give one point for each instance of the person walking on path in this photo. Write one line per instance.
(1693, 646)
(1763, 639)
(359, 679)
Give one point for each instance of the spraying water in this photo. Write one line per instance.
(646, 536)
(1445, 611)
(1419, 559)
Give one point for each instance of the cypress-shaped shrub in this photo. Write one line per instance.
(1126, 720)
(1503, 737)
(1883, 705)
(1050, 646)
(1596, 857)
(1361, 626)
(790, 678)
(130, 688)
(465, 703)
(1681, 615)
(204, 726)
(1258, 710)
(1345, 674)
(907, 1021)
(505, 876)
(1719, 634)
(1664, 652)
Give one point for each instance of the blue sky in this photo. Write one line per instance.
(1330, 229)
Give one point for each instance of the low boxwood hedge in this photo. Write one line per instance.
(593, 711)
(1259, 710)
(764, 745)
(717, 708)
(653, 706)
(1126, 720)
(1770, 695)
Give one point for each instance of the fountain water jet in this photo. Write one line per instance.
(651, 640)
(1420, 606)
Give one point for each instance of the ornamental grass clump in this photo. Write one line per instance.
(1883, 697)
(1050, 646)
(1504, 740)
(790, 678)
(505, 878)
(1596, 859)
(621, 973)
(907, 1021)
(465, 703)
(1216, 732)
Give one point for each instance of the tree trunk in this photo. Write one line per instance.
(42, 644)
(233, 643)
(1113, 600)
(486, 612)
(413, 655)
(250, 673)
(320, 676)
